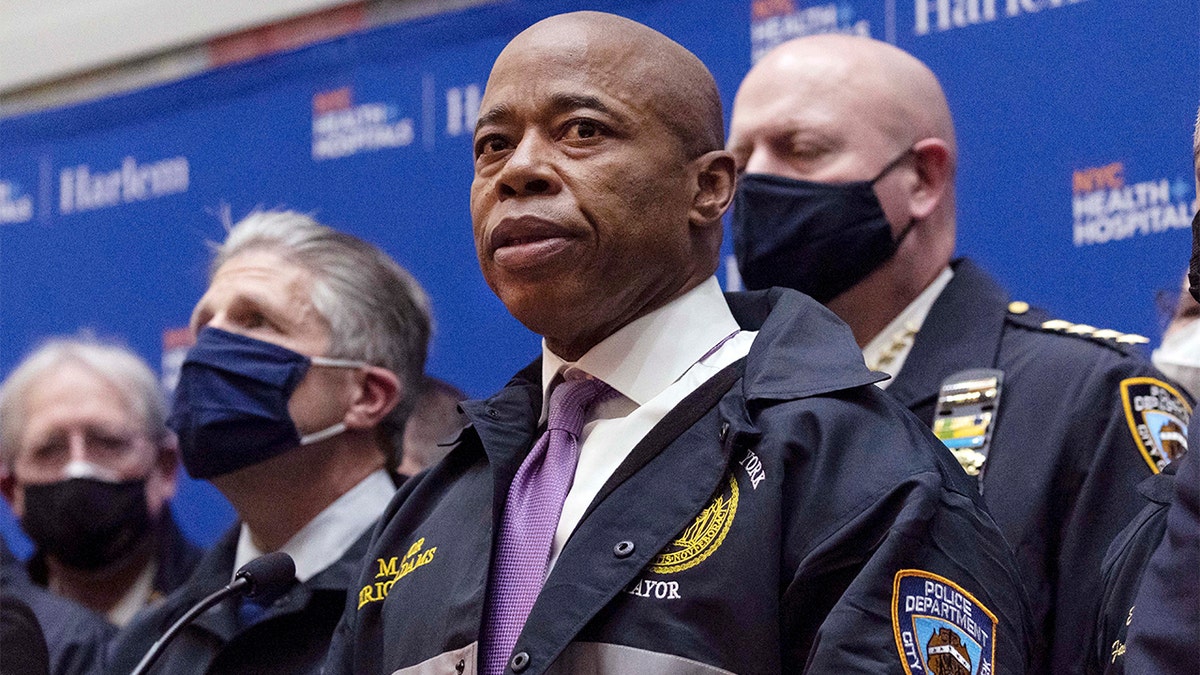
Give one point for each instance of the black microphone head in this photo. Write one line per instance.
(268, 577)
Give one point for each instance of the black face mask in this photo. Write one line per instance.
(86, 523)
(818, 238)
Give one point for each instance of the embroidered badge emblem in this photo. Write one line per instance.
(703, 537)
(940, 628)
(1158, 417)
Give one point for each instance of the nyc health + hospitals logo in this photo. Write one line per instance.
(1108, 205)
(341, 128)
(773, 22)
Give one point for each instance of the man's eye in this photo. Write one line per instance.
(110, 442)
(489, 145)
(47, 451)
(583, 130)
(249, 319)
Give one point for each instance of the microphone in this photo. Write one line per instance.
(264, 579)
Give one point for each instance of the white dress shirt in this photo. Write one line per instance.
(654, 362)
(326, 538)
(887, 351)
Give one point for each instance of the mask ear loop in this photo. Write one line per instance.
(318, 436)
(330, 432)
(337, 363)
(912, 222)
(891, 165)
(883, 172)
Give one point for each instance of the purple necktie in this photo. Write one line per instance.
(535, 501)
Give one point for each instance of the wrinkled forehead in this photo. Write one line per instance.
(106, 398)
(572, 56)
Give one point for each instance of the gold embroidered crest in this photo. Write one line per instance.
(703, 537)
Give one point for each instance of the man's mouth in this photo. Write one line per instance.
(528, 241)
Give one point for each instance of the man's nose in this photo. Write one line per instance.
(77, 447)
(529, 170)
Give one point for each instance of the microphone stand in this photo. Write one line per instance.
(265, 577)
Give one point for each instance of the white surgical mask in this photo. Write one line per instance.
(1179, 356)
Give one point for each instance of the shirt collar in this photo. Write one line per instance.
(327, 537)
(646, 355)
(886, 352)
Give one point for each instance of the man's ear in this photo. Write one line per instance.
(935, 172)
(165, 478)
(12, 494)
(379, 391)
(716, 178)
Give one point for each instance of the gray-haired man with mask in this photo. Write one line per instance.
(309, 343)
(89, 467)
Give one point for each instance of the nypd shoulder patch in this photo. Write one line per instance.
(940, 628)
(1158, 418)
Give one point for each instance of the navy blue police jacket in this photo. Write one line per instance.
(75, 636)
(1164, 635)
(290, 636)
(1065, 459)
(790, 518)
(1123, 569)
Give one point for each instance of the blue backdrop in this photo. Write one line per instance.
(1074, 120)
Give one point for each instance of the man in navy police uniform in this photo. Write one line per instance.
(744, 499)
(848, 152)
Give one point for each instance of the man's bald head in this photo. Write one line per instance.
(904, 91)
(675, 82)
(845, 82)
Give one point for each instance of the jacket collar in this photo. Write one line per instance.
(506, 425)
(177, 556)
(962, 331)
(802, 348)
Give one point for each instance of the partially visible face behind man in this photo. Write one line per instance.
(79, 425)
(583, 195)
(1179, 355)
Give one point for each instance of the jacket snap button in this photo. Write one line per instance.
(460, 666)
(724, 431)
(519, 662)
(492, 413)
(623, 549)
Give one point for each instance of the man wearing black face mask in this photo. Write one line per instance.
(847, 152)
(89, 466)
(308, 344)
